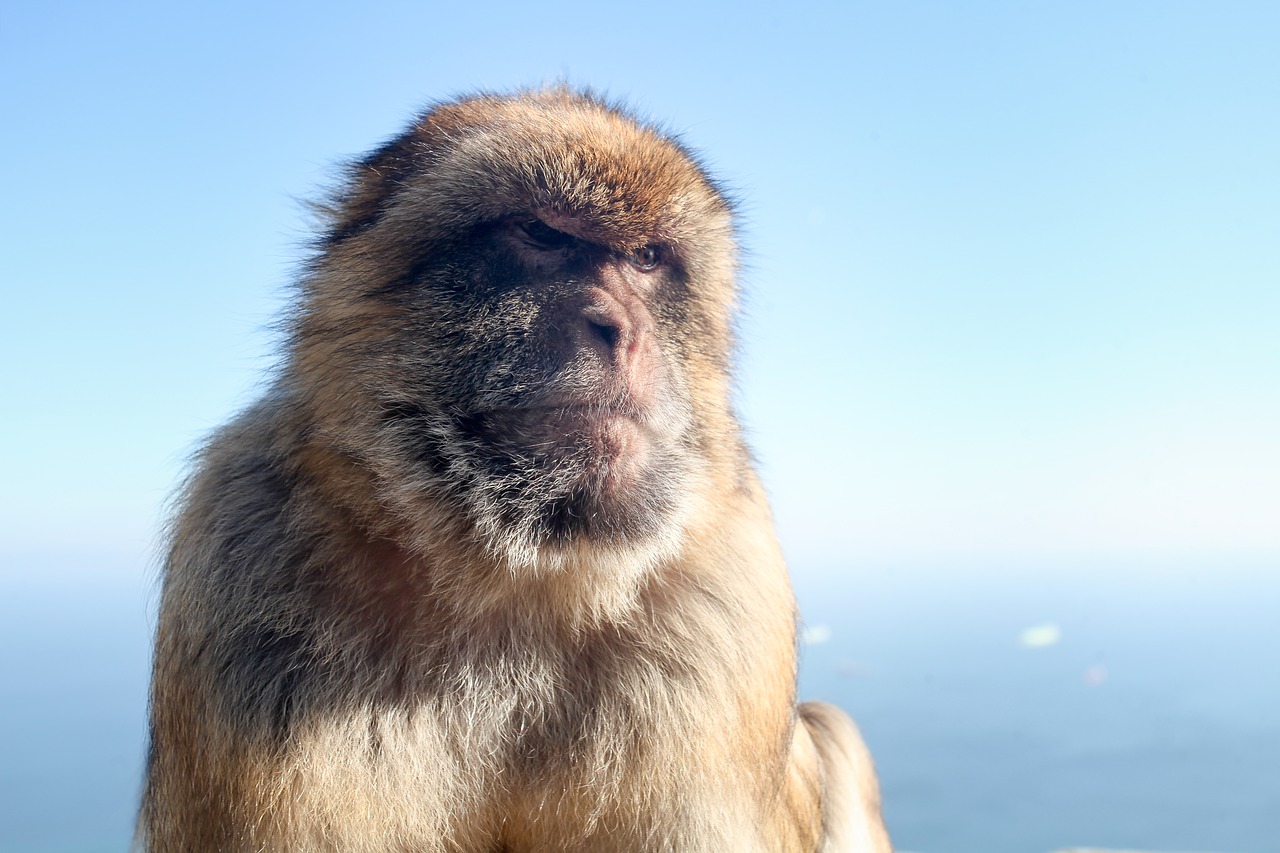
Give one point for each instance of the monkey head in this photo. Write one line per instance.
(520, 320)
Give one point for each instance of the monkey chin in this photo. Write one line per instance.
(612, 501)
(588, 580)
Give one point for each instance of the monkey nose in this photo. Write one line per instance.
(619, 328)
(608, 325)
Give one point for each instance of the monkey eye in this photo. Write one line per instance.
(646, 257)
(543, 236)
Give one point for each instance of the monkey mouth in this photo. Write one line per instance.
(602, 431)
(617, 443)
(608, 473)
(608, 445)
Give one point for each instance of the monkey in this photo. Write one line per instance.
(487, 568)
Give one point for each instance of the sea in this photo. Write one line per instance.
(1012, 707)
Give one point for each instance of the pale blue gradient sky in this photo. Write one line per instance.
(1013, 277)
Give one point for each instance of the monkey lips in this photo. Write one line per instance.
(591, 464)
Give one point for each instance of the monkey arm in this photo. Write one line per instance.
(851, 818)
(829, 798)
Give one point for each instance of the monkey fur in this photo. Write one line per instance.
(487, 569)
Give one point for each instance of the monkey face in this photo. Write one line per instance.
(559, 410)
(538, 336)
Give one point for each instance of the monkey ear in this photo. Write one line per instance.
(370, 184)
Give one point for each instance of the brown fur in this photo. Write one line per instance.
(488, 568)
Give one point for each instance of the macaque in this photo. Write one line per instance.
(487, 569)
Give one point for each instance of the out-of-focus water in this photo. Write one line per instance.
(74, 666)
(1152, 723)
(1150, 718)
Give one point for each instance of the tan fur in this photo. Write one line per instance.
(390, 625)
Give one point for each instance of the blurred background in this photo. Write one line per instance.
(1010, 363)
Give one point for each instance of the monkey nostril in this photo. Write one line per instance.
(605, 332)
(609, 325)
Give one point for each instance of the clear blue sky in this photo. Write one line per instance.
(1014, 271)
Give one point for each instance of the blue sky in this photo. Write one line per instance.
(1013, 280)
